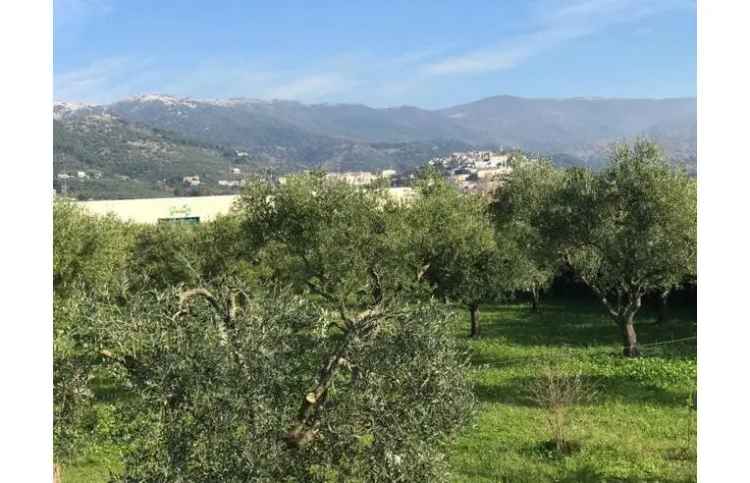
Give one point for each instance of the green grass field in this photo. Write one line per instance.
(638, 428)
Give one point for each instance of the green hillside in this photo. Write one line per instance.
(123, 159)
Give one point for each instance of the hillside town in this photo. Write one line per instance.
(470, 171)
(480, 171)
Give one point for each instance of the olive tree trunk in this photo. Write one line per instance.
(623, 310)
(662, 312)
(622, 307)
(535, 297)
(474, 312)
(630, 342)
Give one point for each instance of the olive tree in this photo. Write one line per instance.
(343, 247)
(89, 253)
(453, 237)
(217, 375)
(165, 255)
(518, 205)
(339, 243)
(627, 230)
(89, 259)
(223, 251)
(168, 255)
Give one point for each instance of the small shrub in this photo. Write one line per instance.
(558, 393)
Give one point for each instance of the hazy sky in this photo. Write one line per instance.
(425, 53)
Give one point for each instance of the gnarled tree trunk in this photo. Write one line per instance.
(304, 431)
(630, 342)
(474, 312)
(623, 312)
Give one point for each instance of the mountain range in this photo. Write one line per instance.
(148, 140)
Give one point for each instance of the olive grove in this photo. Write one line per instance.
(306, 336)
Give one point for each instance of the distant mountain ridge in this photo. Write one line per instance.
(581, 127)
(289, 135)
(574, 126)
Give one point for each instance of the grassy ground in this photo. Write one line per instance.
(638, 428)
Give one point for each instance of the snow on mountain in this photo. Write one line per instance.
(63, 109)
(166, 100)
(233, 101)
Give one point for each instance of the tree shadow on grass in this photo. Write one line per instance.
(556, 326)
(585, 474)
(108, 391)
(516, 392)
(582, 324)
(590, 474)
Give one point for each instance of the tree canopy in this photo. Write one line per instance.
(336, 241)
(627, 230)
(518, 209)
(452, 235)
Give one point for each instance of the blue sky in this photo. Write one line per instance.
(429, 54)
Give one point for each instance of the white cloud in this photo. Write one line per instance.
(110, 79)
(554, 27)
(505, 55)
(103, 80)
(218, 78)
(311, 87)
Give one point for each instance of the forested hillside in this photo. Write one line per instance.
(144, 145)
(126, 159)
(121, 159)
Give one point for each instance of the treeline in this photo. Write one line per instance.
(303, 337)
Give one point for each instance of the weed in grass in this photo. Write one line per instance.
(558, 393)
(688, 449)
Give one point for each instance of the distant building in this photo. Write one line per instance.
(191, 180)
(224, 182)
(192, 209)
(388, 173)
(499, 160)
(356, 178)
(63, 176)
(235, 170)
(476, 171)
(402, 194)
(81, 174)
